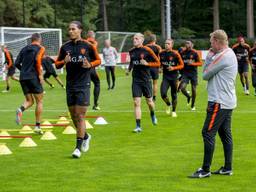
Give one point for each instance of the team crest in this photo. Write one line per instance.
(191, 56)
(82, 51)
(170, 58)
(142, 55)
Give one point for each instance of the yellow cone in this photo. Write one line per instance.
(69, 130)
(48, 135)
(47, 123)
(26, 129)
(4, 133)
(88, 125)
(4, 150)
(28, 142)
(63, 122)
(63, 119)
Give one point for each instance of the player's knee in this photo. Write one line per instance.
(136, 103)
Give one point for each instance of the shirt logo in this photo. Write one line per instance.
(82, 51)
(171, 58)
(142, 55)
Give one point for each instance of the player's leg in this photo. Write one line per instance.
(147, 92)
(246, 77)
(7, 81)
(38, 111)
(136, 94)
(164, 89)
(155, 75)
(14, 78)
(193, 88)
(173, 84)
(226, 139)
(46, 77)
(240, 71)
(58, 80)
(112, 70)
(96, 92)
(183, 85)
(107, 69)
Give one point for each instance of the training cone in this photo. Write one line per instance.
(26, 129)
(27, 142)
(4, 133)
(49, 125)
(48, 135)
(100, 121)
(69, 130)
(4, 150)
(88, 125)
(63, 119)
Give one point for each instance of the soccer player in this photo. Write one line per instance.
(79, 56)
(94, 75)
(191, 61)
(154, 71)
(220, 70)
(9, 68)
(171, 62)
(110, 57)
(47, 63)
(252, 57)
(242, 50)
(141, 59)
(29, 62)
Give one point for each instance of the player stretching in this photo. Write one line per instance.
(50, 71)
(154, 71)
(9, 68)
(191, 61)
(171, 62)
(142, 58)
(29, 62)
(242, 50)
(94, 75)
(79, 56)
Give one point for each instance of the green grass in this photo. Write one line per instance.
(158, 159)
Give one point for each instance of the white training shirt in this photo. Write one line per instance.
(110, 56)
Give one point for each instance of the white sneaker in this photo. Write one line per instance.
(168, 110)
(174, 114)
(5, 91)
(247, 92)
(86, 144)
(76, 153)
(193, 108)
(38, 130)
(137, 130)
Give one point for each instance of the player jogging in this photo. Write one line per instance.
(191, 61)
(47, 63)
(29, 62)
(79, 56)
(242, 50)
(154, 71)
(252, 57)
(171, 63)
(9, 67)
(141, 59)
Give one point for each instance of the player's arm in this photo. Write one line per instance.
(198, 61)
(8, 59)
(155, 62)
(96, 57)
(180, 63)
(62, 58)
(116, 54)
(18, 60)
(39, 58)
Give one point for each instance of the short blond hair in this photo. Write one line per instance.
(220, 35)
(139, 35)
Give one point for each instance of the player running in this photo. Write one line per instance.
(242, 50)
(110, 57)
(94, 75)
(171, 63)
(191, 61)
(79, 56)
(154, 71)
(29, 62)
(252, 57)
(9, 67)
(47, 63)
(142, 58)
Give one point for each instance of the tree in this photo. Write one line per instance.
(250, 19)
(216, 20)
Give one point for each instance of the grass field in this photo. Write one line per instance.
(159, 159)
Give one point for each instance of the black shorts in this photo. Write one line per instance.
(79, 97)
(189, 77)
(48, 75)
(11, 71)
(142, 88)
(31, 86)
(154, 72)
(243, 68)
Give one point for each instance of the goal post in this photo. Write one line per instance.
(15, 38)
